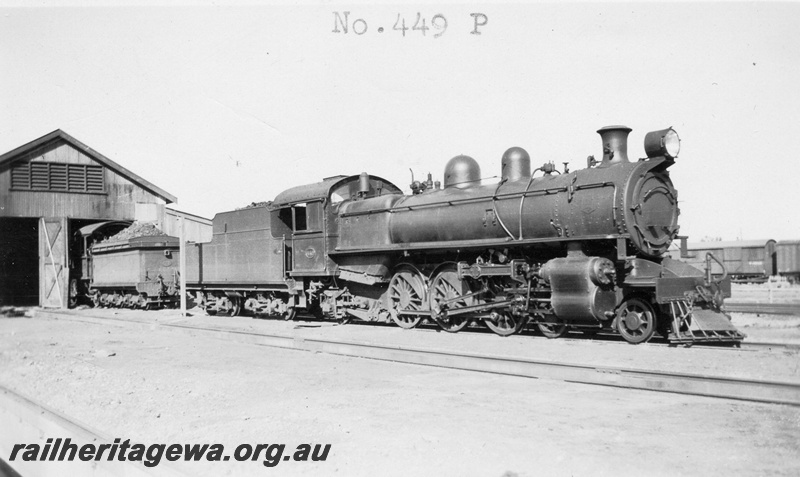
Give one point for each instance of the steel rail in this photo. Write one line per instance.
(772, 392)
(765, 344)
(766, 308)
(613, 339)
(25, 420)
(744, 345)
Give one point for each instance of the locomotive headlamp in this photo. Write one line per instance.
(664, 143)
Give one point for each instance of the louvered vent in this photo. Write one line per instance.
(57, 177)
(94, 179)
(21, 176)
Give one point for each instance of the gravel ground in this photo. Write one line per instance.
(769, 328)
(609, 351)
(154, 386)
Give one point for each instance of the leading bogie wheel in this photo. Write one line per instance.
(552, 330)
(406, 293)
(636, 321)
(446, 288)
(505, 323)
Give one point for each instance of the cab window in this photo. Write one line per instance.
(297, 218)
(300, 222)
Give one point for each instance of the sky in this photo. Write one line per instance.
(226, 105)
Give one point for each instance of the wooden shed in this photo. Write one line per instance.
(50, 188)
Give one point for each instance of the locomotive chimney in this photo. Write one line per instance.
(615, 144)
(515, 165)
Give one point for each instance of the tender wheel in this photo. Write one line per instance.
(251, 305)
(636, 321)
(236, 308)
(290, 314)
(226, 306)
(406, 292)
(95, 296)
(73, 293)
(141, 302)
(505, 323)
(445, 287)
(552, 330)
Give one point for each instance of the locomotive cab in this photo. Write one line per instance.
(306, 218)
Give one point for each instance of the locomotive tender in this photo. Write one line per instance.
(139, 271)
(583, 249)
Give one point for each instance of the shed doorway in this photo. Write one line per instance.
(19, 261)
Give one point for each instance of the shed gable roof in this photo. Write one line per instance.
(58, 134)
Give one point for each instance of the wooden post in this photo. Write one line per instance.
(182, 265)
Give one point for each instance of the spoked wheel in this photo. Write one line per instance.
(636, 321)
(505, 323)
(552, 330)
(446, 287)
(406, 292)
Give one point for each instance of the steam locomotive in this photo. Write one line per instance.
(583, 249)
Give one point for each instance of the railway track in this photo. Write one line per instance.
(605, 338)
(25, 420)
(766, 308)
(745, 345)
(763, 391)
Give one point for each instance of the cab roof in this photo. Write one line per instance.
(308, 192)
(322, 190)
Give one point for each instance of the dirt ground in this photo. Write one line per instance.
(158, 386)
(768, 328)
